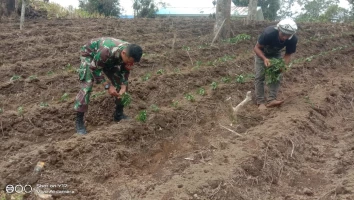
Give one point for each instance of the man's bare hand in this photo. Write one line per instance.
(113, 92)
(266, 62)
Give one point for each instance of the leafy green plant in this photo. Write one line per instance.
(69, 68)
(142, 116)
(226, 79)
(50, 73)
(15, 77)
(240, 78)
(308, 59)
(160, 72)
(198, 63)
(238, 38)
(189, 97)
(20, 110)
(154, 108)
(201, 91)
(32, 77)
(1, 110)
(146, 77)
(43, 104)
(209, 63)
(214, 85)
(175, 103)
(126, 99)
(64, 97)
(186, 48)
(274, 70)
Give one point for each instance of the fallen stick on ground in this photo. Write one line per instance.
(244, 102)
(292, 151)
(230, 130)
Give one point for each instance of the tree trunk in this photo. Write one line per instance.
(222, 24)
(252, 11)
(23, 9)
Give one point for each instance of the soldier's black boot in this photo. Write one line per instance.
(80, 125)
(118, 114)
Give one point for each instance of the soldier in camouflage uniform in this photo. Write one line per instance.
(105, 56)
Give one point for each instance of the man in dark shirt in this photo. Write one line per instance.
(115, 58)
(269, 45)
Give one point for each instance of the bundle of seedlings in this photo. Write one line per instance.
(274, 70)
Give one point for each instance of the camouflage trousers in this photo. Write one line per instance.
(86, 78)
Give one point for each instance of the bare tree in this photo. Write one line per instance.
(23, 9)
(252, 11)
(222, 24)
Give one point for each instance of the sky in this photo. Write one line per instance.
(127, 4)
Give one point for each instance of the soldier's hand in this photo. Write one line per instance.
(266, 62)
(112, 91)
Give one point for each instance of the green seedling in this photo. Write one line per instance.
(1, 110)
(240, 78)
(189, 97)
(214, 85)
(198, 63)
(32, 77)
(175, 103)
(239, 38)
(186, 48)
(160, 72)
(154, 108)
(146, 77)
(177, 71)
(64, 97)
(225, 79)
(308, 59)
(201, 91)
(43, 104)
(274, 70)
(209, 63)
(69, 68)
(142, 116)
(20, 110)
(126, 99)
(15, 77)
(50, 73)
(225, 58)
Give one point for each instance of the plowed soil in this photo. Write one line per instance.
(186, 149)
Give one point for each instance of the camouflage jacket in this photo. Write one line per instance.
(105, 54)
